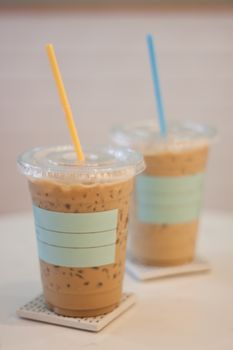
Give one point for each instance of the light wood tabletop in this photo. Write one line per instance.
(192, 312)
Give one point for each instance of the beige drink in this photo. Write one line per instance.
(79, 287)
(166, 243)
(167, 198)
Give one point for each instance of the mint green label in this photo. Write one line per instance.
(168, 200)
(76, 239)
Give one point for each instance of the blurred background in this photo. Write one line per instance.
(102, 54)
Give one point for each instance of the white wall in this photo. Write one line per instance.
(104, 63)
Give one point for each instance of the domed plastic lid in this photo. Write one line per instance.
(101, 164)
(145, 136)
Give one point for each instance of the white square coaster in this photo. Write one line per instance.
(37, 310)
(145, 272)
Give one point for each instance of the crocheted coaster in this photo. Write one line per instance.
(37, 310)
(146, 272)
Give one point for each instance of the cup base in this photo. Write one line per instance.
(169, 262)
(85, 305)
(80, 313)
(163, 245)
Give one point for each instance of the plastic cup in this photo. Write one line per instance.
(81, 220)
(168, 195)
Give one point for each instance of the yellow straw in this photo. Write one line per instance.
(64, 101)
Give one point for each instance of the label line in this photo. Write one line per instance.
(57, 246)
(74, 233)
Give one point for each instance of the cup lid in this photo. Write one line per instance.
(101, 163)
(145, 136)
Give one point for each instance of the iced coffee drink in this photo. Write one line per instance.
(81, 219)
(168, 195)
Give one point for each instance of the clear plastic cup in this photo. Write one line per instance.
(167, 197)
(81, 219)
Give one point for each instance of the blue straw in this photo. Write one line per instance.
(157, 91)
